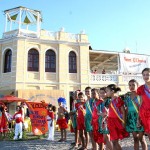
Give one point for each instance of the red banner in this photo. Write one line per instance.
(38, 117)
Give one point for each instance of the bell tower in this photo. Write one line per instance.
(22, 18)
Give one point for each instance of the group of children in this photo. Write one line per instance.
(108, 118)
(99, 115)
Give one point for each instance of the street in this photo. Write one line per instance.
(43, 144)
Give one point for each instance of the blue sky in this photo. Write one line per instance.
(110, 24)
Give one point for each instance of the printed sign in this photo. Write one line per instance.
(132, 63)
(38, 114)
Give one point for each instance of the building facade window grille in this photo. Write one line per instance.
(33, 60)
(72, 62)
(50, 61)
(7, 61)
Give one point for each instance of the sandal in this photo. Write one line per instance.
(64, 140)
(61, 140)
(76, 146)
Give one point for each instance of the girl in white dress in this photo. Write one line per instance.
(50, 119)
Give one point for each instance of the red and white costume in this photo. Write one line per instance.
(18, 126)
(50, 120)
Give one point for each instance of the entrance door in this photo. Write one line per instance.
(71, 99)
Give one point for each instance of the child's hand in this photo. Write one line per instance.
(138, 123)
(105, 114)
(102, 114)
(76, 114)
(99, 114)
(10, 121)
(83, 110)
(124, 125)
(70, 113)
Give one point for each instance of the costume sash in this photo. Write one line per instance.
(136, 105)
(88, 106)
(95, 105)
(101, 107)
(116, 110)
(147, 91)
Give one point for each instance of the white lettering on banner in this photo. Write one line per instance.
(133, 63)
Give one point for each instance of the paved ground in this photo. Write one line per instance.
(43, 144)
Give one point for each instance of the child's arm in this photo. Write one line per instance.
(104, 113)
(65, 110)
(72, 112)
(58, 112)
(52, 118)
(83, 110)
(12, 119)
(138, 116)
(125, 107)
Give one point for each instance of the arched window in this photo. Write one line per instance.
(33, 60)
(72, 62)
(50, 61)
(7, 61)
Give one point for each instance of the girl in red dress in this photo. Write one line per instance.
(144, 92)
(103, 114)
(4, 123)
(98, 137)
(80, 119)
(116, 117)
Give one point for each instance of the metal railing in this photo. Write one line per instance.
(116, 78)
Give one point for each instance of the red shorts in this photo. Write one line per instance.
(62, 123)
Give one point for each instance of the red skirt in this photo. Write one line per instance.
(116, 129)
(98, 137)
(145, 118)
(62, 123)
(80, 124)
